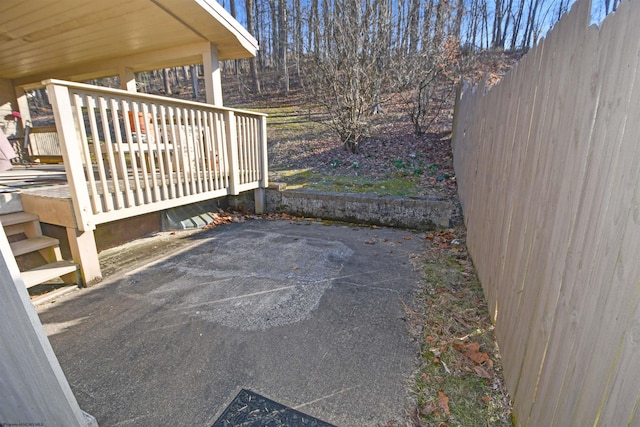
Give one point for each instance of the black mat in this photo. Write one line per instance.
(249, 409)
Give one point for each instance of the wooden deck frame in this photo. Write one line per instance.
(194, 152)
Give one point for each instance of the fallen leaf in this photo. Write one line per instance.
(472, 351)
(482, 373)
(429, 409)
(369, 242)
(408, 238)
(443, 402)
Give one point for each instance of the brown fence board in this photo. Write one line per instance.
(548, 166)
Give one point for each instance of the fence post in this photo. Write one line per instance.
(73, 163)
(232, 151)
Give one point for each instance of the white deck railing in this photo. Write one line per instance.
(128, 154)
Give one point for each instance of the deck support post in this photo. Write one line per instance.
(260, 199)
(85, 253)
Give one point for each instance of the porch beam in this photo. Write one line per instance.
(212, 77)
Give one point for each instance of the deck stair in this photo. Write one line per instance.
(28, 238)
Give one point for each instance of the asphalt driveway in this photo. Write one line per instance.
(306, 314)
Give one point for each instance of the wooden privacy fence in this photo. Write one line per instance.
(128, 154)
(548, 169)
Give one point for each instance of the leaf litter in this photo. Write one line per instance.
(459, 381)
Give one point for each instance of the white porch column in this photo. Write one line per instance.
(128, 79)
(212, 78)
(34, 389)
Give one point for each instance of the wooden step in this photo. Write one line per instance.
(47, 272)
(33, 244)
(17, 218)
(21, 222)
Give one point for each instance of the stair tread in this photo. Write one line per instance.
(33, 244)
(47, 272)
(17, 218)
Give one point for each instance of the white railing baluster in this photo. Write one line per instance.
(121, 163)
(177, 150)
(221, 144)
(242, 163)
(159, 150)
(108, 147)
(254, 155)
(204, 154)
(103, 199)
(86, 152)
(208, 148)
(195, 131)
(139, 194)
(147, 155)
(183, 155)
(139, 153)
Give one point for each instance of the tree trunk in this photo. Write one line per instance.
(314, 28)
(457, 29)
(166, 81)
(194, 81)
(255, 82)
(283, 43)
(497, 24)
(232, 10)
(414, 22)
(516, 25)
(275, 39)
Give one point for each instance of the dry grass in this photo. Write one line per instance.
(459, 380)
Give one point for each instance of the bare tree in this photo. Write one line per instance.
(255, 82)
(283, 44)
(346, 82)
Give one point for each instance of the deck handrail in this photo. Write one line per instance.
(128, 153)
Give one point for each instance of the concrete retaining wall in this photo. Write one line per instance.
(402, 212)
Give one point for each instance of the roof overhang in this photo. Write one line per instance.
(87, 39)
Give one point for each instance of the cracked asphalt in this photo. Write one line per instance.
(307, 314)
